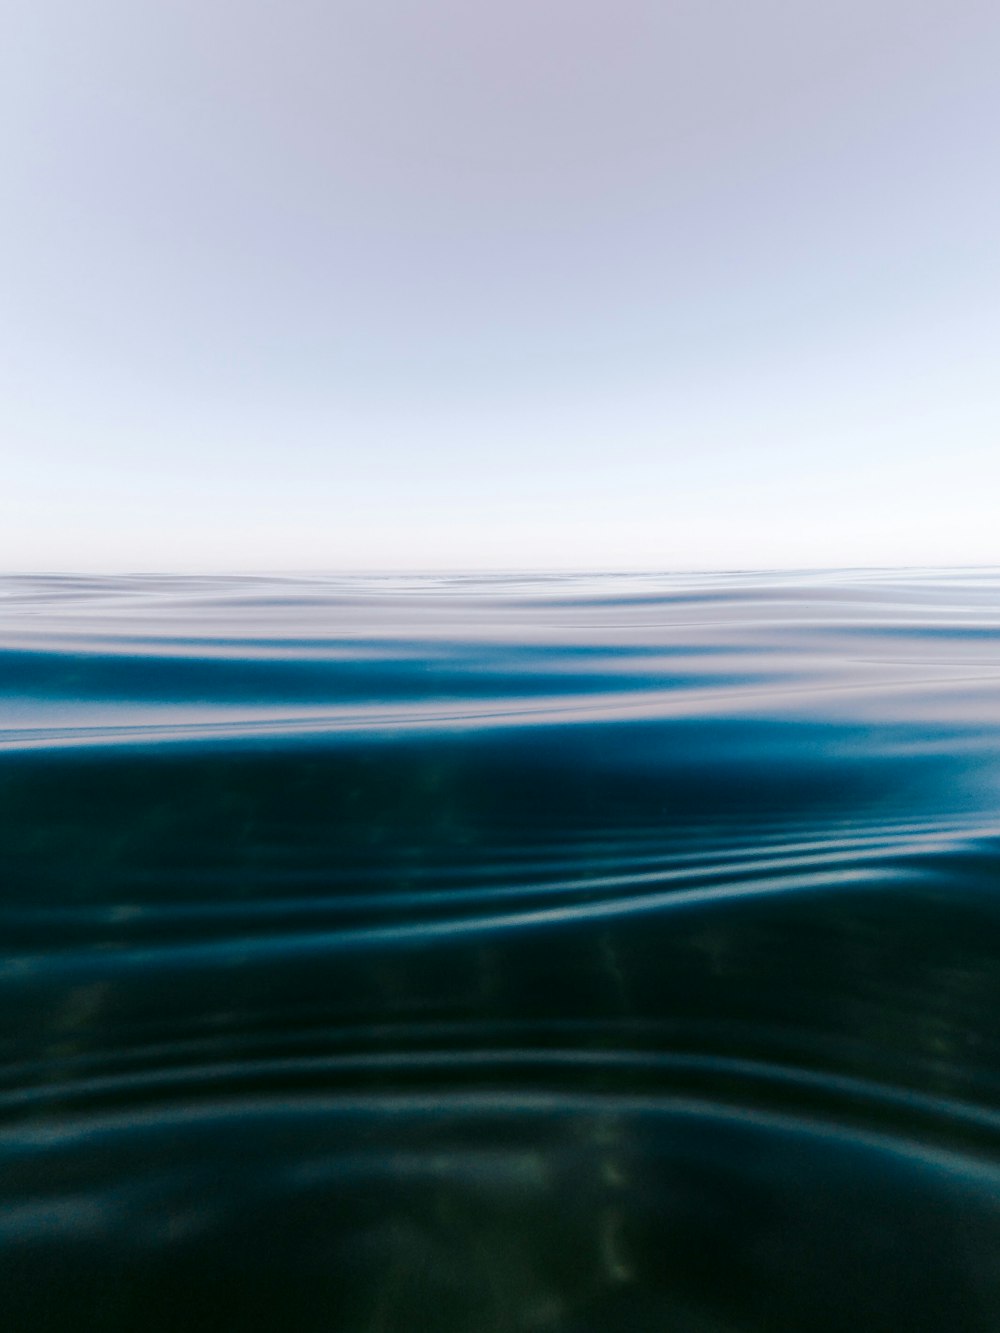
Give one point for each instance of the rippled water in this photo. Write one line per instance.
(577, 954)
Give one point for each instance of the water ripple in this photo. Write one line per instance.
(571, 953)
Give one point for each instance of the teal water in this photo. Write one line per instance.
(595, 953)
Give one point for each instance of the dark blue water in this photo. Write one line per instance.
(577, 954)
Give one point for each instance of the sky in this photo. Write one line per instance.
(380, 284)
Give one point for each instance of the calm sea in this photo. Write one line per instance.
(597, 954)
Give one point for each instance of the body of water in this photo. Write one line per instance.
(596, 954)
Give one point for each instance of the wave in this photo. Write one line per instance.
(562, 953)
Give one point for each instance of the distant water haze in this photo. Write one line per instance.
(378, 285)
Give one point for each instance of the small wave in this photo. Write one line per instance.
(571, 953)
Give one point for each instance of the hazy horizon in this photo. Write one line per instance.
(555, 287)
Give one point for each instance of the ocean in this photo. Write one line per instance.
(585, 953)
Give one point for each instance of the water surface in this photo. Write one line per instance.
(595, 953)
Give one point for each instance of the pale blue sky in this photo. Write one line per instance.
(380, 283)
